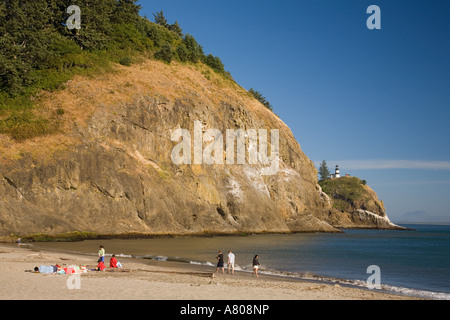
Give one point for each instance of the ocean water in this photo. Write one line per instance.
(413, 262)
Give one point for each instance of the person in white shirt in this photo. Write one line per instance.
(230, 263)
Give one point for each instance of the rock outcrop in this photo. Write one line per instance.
(357, 204)
(109, 169)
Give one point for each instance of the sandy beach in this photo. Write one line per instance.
(154, 281)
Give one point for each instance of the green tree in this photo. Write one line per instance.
(96, 24)
(182, 53)
(214, 62)
(165, 53)
(324, 173)
(176, 28)
(195, 51)
(126, 11)
(26, 33)
(258, 96)
(161, 19)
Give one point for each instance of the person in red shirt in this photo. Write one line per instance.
(113, 262)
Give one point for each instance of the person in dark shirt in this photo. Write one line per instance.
(220, 262)
(256, 265)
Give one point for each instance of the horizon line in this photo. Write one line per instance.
(382, 164)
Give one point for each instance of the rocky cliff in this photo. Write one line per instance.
(109, 167)
(357, 204)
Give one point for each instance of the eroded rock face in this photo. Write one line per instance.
(356, 205)
(117, 176)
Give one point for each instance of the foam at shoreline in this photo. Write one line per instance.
(303, 276)
(280, 253)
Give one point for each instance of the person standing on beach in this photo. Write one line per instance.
(256, 265)
(220, 262)
(230, 263)
(101, 254)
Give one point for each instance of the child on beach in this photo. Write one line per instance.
(113, 263)
(101, 253)
(101, 266)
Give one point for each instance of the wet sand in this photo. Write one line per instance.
(154, 280)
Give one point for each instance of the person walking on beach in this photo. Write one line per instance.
(220, 262)
(230, 263)
(256, 265)
(101, 254)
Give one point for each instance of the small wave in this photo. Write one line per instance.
(298, 275)
(416, 292)
(360, 284)
(160, 258)
(176, 259)
(121, 255)
(155, 258)
(200, 263)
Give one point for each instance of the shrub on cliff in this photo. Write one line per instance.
(195, 51)
(258, 96)
(345, 192)
(165, 54)
(214, 62)
(26, 125)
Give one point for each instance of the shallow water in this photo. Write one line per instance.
(412, 262)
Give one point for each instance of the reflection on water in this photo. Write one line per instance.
(192, 249)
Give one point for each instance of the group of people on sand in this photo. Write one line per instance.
(113, 263)
(57, 269)
(231, 262)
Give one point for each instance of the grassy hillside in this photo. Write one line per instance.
(40, 54)
(351, 193)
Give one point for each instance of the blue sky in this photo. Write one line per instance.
(376, 102)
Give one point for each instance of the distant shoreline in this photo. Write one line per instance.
(75, 236)
(424, 223)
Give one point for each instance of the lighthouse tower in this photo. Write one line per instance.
(336, 172)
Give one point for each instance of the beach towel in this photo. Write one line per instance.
(46, 269)
(69, 270)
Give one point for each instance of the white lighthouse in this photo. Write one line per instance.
(336, 172)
